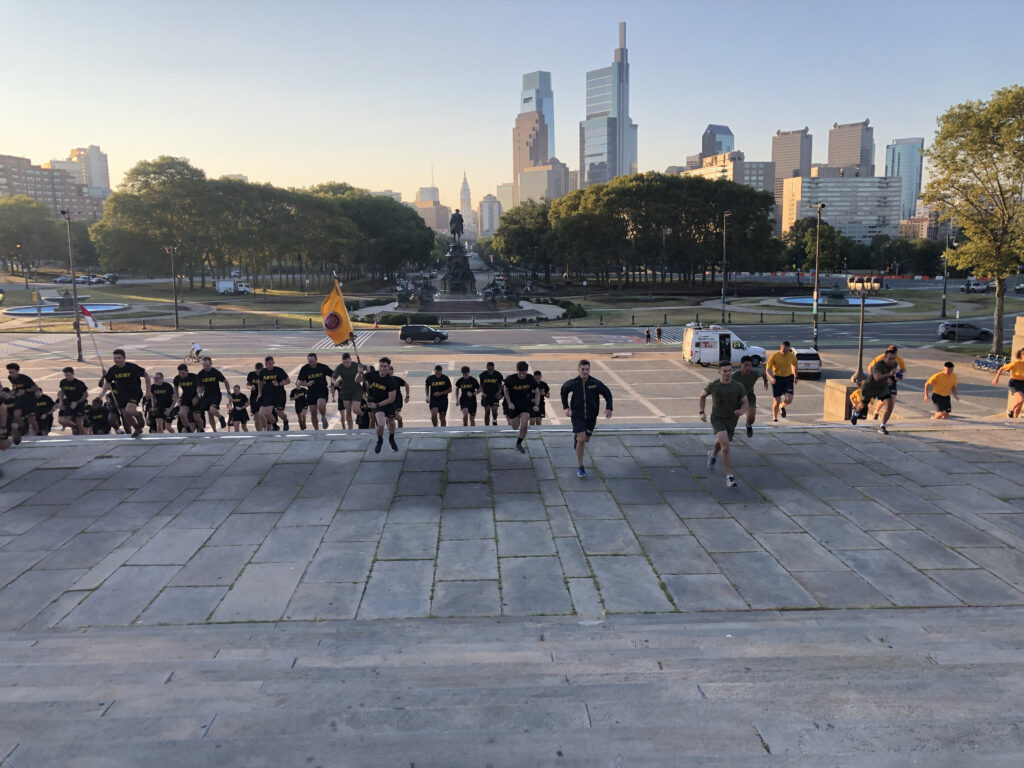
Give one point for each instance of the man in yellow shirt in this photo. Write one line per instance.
(782, 371)
(898, 373)
(1016, 371)
(942, 385)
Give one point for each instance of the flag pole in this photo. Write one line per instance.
(352, 338)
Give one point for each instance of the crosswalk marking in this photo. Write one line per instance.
(669, 333)
(362, 337)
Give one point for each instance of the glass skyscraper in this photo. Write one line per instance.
(608, 135)
(903, 159)
(537, 96)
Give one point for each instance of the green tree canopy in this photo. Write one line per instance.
(29, 233)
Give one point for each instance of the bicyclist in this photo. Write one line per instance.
(196, 351)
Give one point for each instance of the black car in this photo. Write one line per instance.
(959, 331)
(411, 333)
(1018, 288)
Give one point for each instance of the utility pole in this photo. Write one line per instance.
(817, 270)
(725, 268)
(74, 287)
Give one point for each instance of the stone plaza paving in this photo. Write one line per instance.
(212, 600)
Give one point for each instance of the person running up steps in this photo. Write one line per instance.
(187, 386)
(1016, 371)
(273, 397)
(252, 380)
(238, 416)
(438, 387)
(876, 385)
(381, 391)
(748, 376)
(942, 385)
(782, 370)
(545, 392)
(72, 399)
(126, 379)
(210, 380)
(161, 401)
(728, 403)
(522, 397)
(468, 388)
(314, 376)
(349, 390)
(581, 401)
(6, 439)
(490, 387)
(897, 374)
(23, 390)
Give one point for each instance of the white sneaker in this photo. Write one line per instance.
(730, 482)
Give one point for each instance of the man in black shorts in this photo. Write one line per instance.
(728, 403)
(127, 380)
(23, 392)
(186, 385)
(381, 391)
(210, 380)
(400, 400)
(252, 379)
(315, 377)
(71, 399)
(300, 397)
(581, 401)
(521, 401)
(491, 383)
(161, 401)
(545, 392)
(748, 376)
(876, 386)
(238, 416)
(349, 390)
(44, 411)
(782, 369)
(6, 440)
(272, 396)
(467, 387)
(97, 418)
(438, 387)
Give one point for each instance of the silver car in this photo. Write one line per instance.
(957, 330)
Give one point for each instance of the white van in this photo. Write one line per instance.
(712, 344)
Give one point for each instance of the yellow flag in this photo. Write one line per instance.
(335, 317)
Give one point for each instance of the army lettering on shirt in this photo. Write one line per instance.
(163, 395)
(21, 384)
(316, 378)
(490, 382)
(210, 380)
(467, 386)
(252, 380)
(378, 387)
(301, 398)
(271, 377)
(98, 419)
(44, 404)
(126, 381)
(239, 402)
(73, 391)
(438, 383)
(189, 385)
(521, 391)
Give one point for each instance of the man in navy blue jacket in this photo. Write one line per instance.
(581, 399)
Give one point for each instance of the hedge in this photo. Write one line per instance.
(407, 318)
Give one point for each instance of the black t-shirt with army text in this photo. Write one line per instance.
(467, 386)
(126, 380)
(163, 395)
(521, 390)
(239, 401)
(210, 381)
(189, 386)
(490, 382)
(271, 376)
(437, 384)
(378, 387)
(316, 377)
(73, 391)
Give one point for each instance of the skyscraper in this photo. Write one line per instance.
(89, 165)
(537, 96)
(468, 214)
(851, 146)
(465, 199)
(488, 215)
(529, 146)
(608, 136)
(791, 153)
(903, 159)
(716, 140)
(506, 196)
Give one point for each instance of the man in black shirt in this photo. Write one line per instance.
(545, 392)
(126, 380)
(72, 397)
(252, 379)
(438, 387)
(467, 387)
(6, 399)
(161, 397)
(400, 400)
(581, 401)
(381, 391)
(238, 416)
(97, 418)
(315, 377)
(300, 396)
(272, 396)
(43, 412)
(187, 386)
(210, 380)
(521, 400)
(23, 391)
(491, 383)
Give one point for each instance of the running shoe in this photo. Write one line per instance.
(581, 473)
(16, 437)
(223, 423)
(782, 411)
(379, 445)
(711, 460)
(882, 430)
(136, 433)
(854, 415)
(323, 421)
(875, 417)
(775, 420)
(392, 443)
(730, 482)
(1009, 414)
(750, 430)
(285, 425)
(520, 448)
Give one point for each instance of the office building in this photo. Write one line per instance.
(428, 195)
(529, 146)
(693, 161)
(488, 215)
(925, 223)
(574, 180)
(544, 182)
(716, 140)
(428, 206)
(851, 146)
(861, 207)
(396, 196)
(537, 96)
(89, 166)
(54, 187)
(469, 220)
(506, 195)
(608, 137)
(732, 166)
(903, 158)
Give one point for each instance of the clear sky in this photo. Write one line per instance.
(301, 92)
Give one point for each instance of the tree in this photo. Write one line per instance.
(29, 234)
(522, 237)
(830, 258)
(977, 179)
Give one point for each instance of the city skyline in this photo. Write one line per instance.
(309, 95)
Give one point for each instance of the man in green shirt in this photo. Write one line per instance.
(876, 387)
(748, 376)
(350, 391)
(728, 403)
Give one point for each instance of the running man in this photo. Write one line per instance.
(161, 401)
(126, 379)
(400, 400)
(23, 391)
(521, 401)
(942, 385)
(381, 391)
(490, 393)
(238, 416)
(748, 376)
(6, 439)
(315, 377)
(876, 386)
(545, 392)
(438, 387)
(301, 398)
(44, 411)
(72, 397)
(898, 373)
(782, 371)
(210, 380)
(581, 401)
(97, 418)
(272, 396)
(728, 403)
(1016, 371)
(252, 380)
(468, 388)
(349, 390)
(186, 386)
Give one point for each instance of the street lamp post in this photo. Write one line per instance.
(174, 284)
(862, 286)
(74, 287)
(945, 273)
(817, 270)
(725, 218)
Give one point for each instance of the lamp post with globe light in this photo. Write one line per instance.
(862, 286)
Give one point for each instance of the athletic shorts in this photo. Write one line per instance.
(468, 404)
(580, 424)
(238, 416)
(505, 409)
(942, 402)
(299, 408)
(26, 404)
(871, 389)
(441, 403)
(540, 413)
(519, 409)
(487, 400)
(124, 399)
(353, 393)
(783, 386)
(751, 400)
(317, 394)
(209, 401)
(254, 403)
(724, 425)
(275, 397)
(72, 412)
(1017, 385)
(388, 410)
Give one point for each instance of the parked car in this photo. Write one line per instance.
(975, 286)
(112, 277)
(97, 280)
(82, 279)
(62, 279)
(960, 331)
(808, 362)
(1018, 288)
(411, 333)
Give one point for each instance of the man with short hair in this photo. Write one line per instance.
(876, 385)
(97, 418)
(349, 390)
(72, 397)
(23, 392)
(491, 382)
(782, 370)
(942, 386)
(381, 391)
(210, 380)
(300, 396)
(521, 396)
(581, 401)
(748, 376)
(438, 387)
(728, 403)
(314, 376)
(252, 379)
(161, 401)
(43, 411)
(898, 373)
(400, 399)
(272, 395)
(545, 392)
(186, 387)
(468, 387)
(238, 416)
(126, 380)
